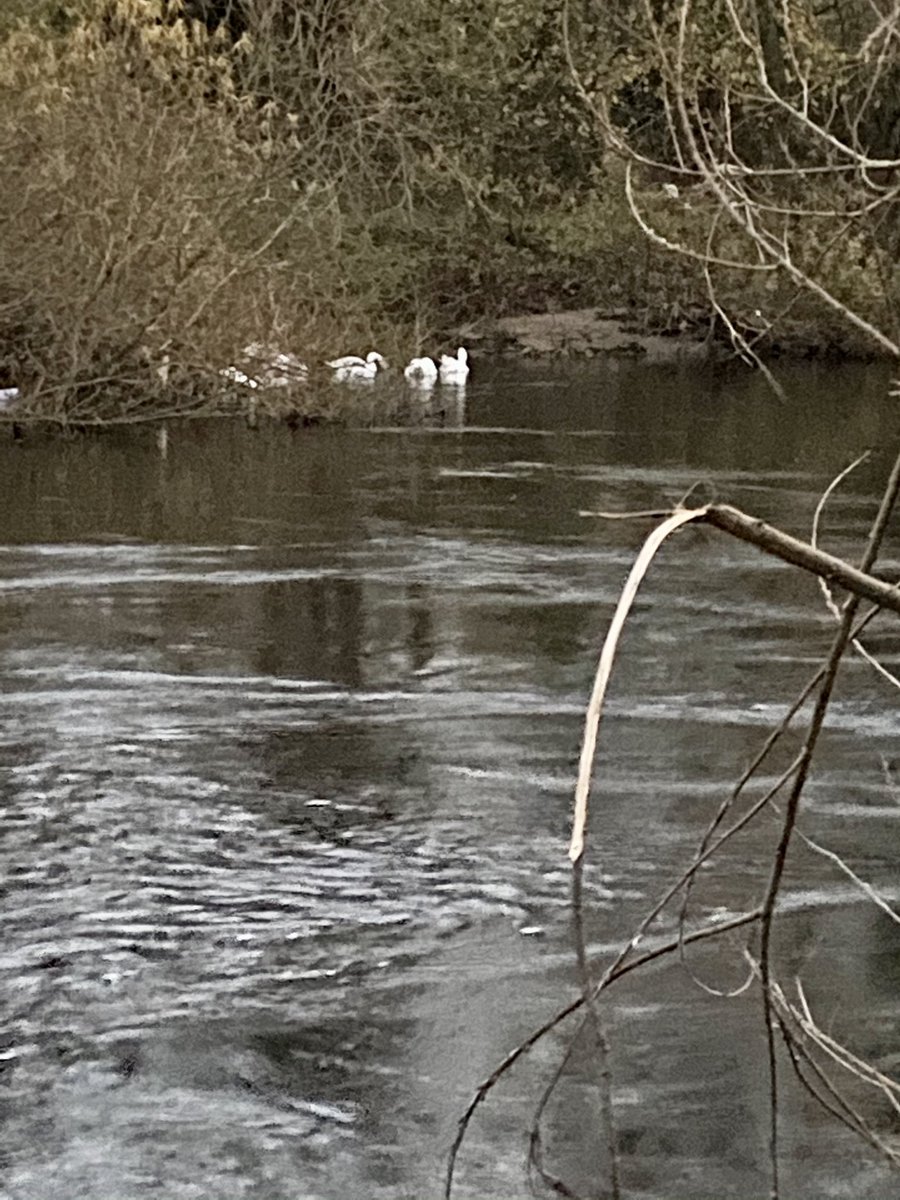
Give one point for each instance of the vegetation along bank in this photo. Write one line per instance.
(184, 180)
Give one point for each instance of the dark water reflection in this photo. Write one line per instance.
(288, 728)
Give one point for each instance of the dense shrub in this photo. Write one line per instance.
(188, 176)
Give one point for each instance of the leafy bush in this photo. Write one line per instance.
(188, 177)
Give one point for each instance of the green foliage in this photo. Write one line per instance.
(322, 177)
(764, 117)
(187, 177)
(52, 14)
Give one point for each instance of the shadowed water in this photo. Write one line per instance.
(289, 723)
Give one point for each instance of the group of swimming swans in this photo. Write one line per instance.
(267, 368)
(264, 367)
(452, 369)
(423, 372)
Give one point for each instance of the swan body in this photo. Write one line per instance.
(351, 366)
(236, 375)
(274, 368)
(264, 367)
(348, 360)
(8, 396)
(455, 370)
(421, 371)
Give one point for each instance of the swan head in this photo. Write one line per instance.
(462, 354)
(374, 357)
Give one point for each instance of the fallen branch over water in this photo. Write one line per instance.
(861, 585)
(801, 554)
(749, 529)
(783, 545)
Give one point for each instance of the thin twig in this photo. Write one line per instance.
(625, 968)
(814, 729)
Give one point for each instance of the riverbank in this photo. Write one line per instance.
(198, 187)
(636, 333)
(161, 391)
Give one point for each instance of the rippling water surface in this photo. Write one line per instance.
(288, 729)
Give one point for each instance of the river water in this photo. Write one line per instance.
(289, 722)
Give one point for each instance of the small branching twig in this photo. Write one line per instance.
(650, 956)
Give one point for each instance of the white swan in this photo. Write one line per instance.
(235, 375)
(285, 369)
(455, 370)
(274, 368)
(266, 367)
(421, 371)
(351, 366)
(8, 397)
